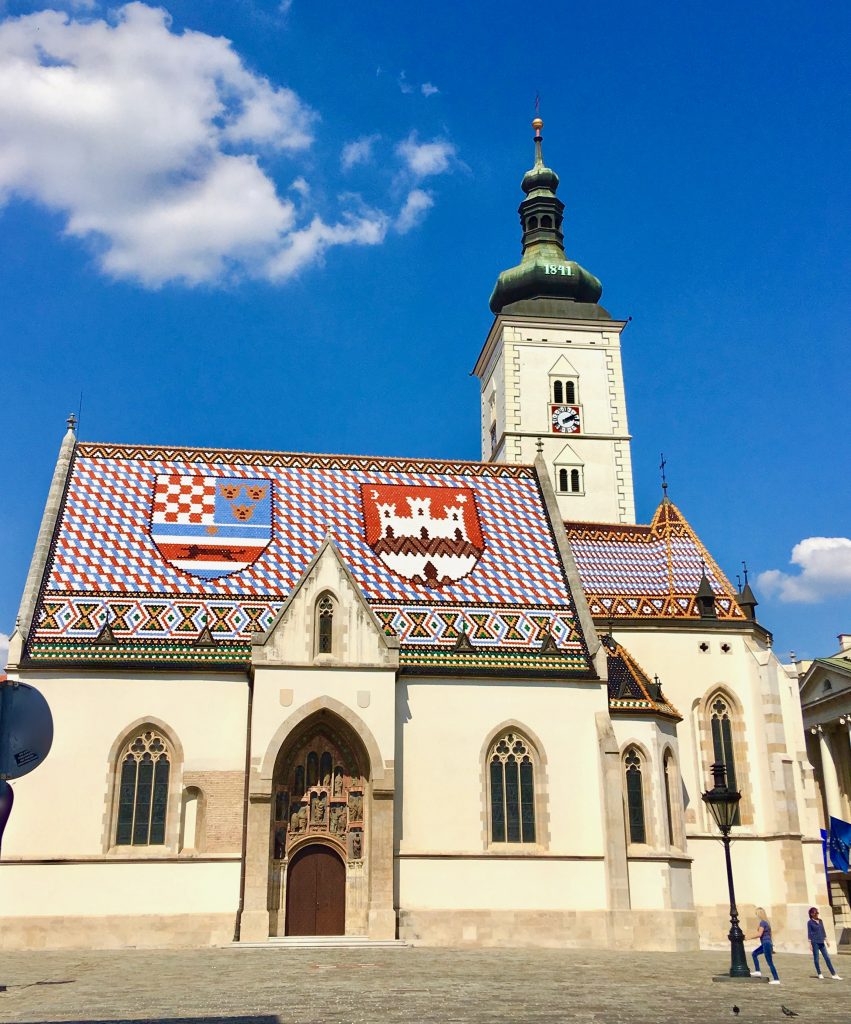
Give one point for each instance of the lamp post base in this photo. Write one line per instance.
(738, 958)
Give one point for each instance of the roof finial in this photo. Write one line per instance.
(72, 422)
(745, 571)
(538, 124)
(662, 465)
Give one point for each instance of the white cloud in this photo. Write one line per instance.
(149, 143)
(412, 214)
(426, 158)
(427, 89)
(4, 651)
(301, 185)
(358, 152)
(404, 84)
(825, 564)
(284, 7)
(308, 244)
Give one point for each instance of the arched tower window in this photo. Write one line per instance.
(325, 624)
(722, 742)
(143, 791)
(634, 797)
(563, 480)
(511, 767)
(569, 391)
(532, 223)
(558, 392)
(575, 481)
(546, 221)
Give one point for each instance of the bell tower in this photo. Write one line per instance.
(550, 369)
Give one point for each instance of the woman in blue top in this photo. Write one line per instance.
(818, 943)
(765, 947)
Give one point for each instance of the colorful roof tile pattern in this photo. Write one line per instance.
(630, 688)
(154, 545)
(648, 571)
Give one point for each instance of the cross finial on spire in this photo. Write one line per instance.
(745, 571)
(72, 422)
(662, 465)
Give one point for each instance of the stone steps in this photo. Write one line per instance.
(321, 942)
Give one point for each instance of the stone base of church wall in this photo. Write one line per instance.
(650, 930)
(154, 931)
(788, 926)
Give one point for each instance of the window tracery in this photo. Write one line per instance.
(634, 797)
(511, 766)
(325, 625)
(143, 791)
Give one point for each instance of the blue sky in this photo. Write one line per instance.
(267, 225)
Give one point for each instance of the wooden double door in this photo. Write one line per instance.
(316, 892)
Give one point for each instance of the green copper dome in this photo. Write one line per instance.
(545, 280)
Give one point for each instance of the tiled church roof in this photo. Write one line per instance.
(648, 571)
(155, 544)
(630, 688)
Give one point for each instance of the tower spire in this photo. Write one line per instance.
(545, 273)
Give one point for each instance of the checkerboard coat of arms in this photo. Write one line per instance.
(429, 535)
(211, 526)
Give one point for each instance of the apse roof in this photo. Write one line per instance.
(630, 688)
(154, 546)
(648, 571)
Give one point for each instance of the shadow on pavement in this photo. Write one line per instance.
(263, 1018)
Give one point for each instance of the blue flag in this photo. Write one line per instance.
(840, 841)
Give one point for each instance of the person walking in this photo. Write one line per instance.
(818, 943)
(765, 948)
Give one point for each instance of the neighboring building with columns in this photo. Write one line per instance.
(461, 703)
(825, 689)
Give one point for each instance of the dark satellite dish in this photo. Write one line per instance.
(26, 729)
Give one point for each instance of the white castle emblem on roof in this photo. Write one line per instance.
(434, 547)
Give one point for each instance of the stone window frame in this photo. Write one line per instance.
(174, 807)
(678, 839)
(541, 789)
(741, 753)
(338, 628)
(651, 829)
(199, 843)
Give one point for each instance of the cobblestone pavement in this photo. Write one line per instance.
(346, 986)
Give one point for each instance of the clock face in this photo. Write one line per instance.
(565, 419)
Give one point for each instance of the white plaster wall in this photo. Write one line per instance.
(59, 807)
(444, 728)
(501, 883)
(98, 889)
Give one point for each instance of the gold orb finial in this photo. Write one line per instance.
(537, 124)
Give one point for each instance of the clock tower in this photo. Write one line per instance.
(550, 369)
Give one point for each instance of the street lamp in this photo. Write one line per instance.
(723, 802)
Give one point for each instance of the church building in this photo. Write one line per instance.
(453, 703)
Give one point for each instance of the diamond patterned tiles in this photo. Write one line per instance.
(105, 565)
(647, 571)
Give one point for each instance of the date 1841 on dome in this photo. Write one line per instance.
(565, 419)
(564, 269)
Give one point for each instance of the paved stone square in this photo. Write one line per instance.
(360, 986)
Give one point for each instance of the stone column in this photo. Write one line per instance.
(255, 911)
(382, 913)
(830, 779)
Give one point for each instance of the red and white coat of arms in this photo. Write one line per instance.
(428, 535)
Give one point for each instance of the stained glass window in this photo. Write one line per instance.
(324, 644)
(722, 744)
(634, 797)
(143, 792)
(512, 790)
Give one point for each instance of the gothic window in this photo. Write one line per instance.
(634, 797)
(669, 784)
(325, 625)
(569, 391)
(511, 767)
(143, 791)
(722, 742)
(558, 392)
